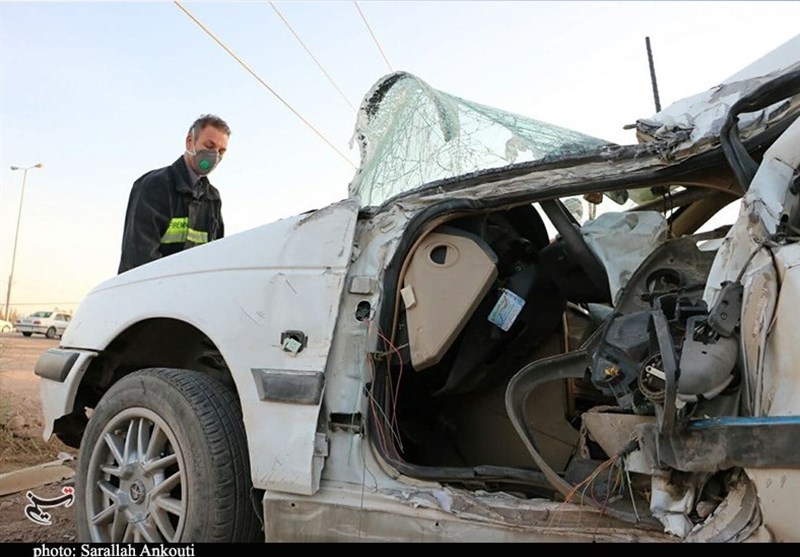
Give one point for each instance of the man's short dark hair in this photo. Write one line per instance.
(209, 120)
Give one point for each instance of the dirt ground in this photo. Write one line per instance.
(22, 446)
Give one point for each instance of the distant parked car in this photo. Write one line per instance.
(6, 326)
(47, 323)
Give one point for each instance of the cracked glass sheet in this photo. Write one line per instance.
(410, 134)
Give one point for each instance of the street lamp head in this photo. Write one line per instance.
(14, 168)
(38, 165)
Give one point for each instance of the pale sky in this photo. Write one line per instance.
(101, 92)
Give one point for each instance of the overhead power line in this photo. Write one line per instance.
(264, 83)
(374, 38)
(314, 58)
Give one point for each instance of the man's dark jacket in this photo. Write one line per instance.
(167, 214)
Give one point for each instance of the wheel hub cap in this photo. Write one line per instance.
(137, 491)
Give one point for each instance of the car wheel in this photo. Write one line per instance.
(26, 334)
(6, 329)
(164, 457)
(51, 332)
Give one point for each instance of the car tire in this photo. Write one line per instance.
(26, 334)
(51, 332)
(6, 329)
(188, 482)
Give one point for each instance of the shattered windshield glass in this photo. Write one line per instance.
(410, 134)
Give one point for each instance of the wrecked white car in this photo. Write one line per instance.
(452, 355)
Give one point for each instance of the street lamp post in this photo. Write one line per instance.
(16, 235)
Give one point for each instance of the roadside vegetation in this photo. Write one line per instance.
(21, 443)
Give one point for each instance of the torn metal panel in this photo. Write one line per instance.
(705, 112)
(760, 211)
(781, 387)
(779, 499)
(759, 300)
(779, 489)
(735, 519)
(349, 513)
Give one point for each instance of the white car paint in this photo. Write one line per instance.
(53, 322)
(771, 353)
(242, 291)
(308, 273)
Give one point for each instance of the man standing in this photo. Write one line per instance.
(175, 208)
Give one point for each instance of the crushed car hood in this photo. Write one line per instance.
(176, 286)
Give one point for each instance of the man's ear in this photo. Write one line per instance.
(189, 142)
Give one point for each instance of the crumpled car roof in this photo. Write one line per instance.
(411, 135)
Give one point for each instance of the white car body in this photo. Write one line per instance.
(48, 323)
(294, 312)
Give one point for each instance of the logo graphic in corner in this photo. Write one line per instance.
(34, 511)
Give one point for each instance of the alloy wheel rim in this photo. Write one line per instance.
(136, 481)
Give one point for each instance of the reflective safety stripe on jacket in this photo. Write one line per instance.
(178, 232)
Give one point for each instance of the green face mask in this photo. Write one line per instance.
(205, 160)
